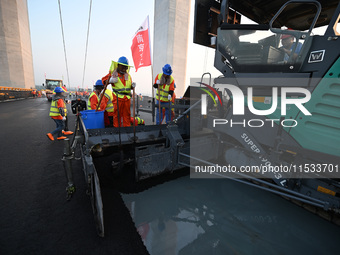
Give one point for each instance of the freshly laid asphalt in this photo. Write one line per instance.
(35, 217)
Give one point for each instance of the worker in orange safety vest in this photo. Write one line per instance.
(107, 106)
(138, 121)
(93, 100)
(122, 85)
(66, 131)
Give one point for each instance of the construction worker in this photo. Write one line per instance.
(58, 113)
(107, 106)
(93, 100)
(138, 121)
(65, 94)
(122, 85)
(165, 85)
(34, 93)
(288, 45)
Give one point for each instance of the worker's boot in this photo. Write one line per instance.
(61, 137)
(50, 136)
(67, 132)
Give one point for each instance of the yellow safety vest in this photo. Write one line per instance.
(109, 106)
(54, 111)
(89, 102)
(164, 91)
(139, 120)
(125, 90)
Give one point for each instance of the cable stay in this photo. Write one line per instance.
(62, 32)
(87, 40)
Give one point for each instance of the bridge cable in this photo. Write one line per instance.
(87, 40)
(62, 32)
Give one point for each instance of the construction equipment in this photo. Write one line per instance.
(50, 85)
(281, 111)
(284, 139)
(129, 154)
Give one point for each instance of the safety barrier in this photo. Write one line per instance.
(10, 93)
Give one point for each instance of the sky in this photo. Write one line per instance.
(112, 26)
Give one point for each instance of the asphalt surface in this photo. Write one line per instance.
(35, 217)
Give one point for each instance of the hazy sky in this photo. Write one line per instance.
(112, 26)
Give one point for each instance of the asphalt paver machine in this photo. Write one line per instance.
(271, 120)
(281, 118)
(129, 155)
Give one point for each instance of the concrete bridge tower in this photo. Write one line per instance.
(171, 39)
(16, 62)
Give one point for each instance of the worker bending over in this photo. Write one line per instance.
(138, 121)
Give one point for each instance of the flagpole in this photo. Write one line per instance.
(153, 97)
(137, 46)
(152, 80)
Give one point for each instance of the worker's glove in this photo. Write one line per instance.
(64, 118)
(169, 97)
(133, 85)
(113, 80)
(155, 86)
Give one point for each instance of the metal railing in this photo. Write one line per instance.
(10, 93)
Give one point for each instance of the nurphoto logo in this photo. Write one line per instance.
(239, 104)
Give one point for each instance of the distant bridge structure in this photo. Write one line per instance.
(171, 26)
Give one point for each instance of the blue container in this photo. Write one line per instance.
(93, 119)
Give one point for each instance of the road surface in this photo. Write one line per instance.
(35, 217)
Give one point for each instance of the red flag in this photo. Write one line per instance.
(140, 47)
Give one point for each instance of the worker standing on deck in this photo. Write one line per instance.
(58, 113)
(122, 85)
(93, 100)
(107, 105)
(165, 85)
